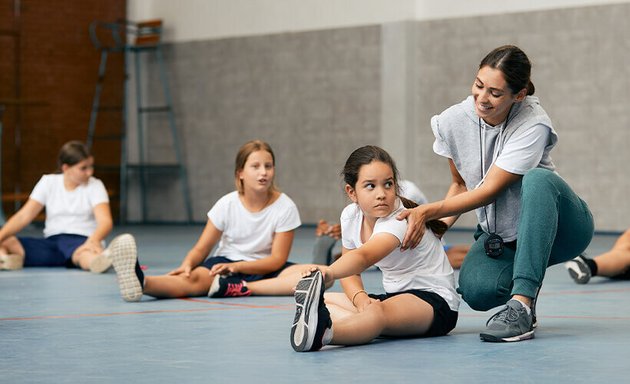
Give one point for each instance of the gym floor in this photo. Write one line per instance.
(69, 326)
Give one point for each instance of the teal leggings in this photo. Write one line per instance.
(554, 226)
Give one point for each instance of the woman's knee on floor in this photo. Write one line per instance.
(482, 292)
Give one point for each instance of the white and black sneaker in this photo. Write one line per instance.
(125, 260)
(228, 286)
(579, 270)
(102, 262)
(312, 326)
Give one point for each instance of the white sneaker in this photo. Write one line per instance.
(124, 259)
(102, 263)
(11, 262)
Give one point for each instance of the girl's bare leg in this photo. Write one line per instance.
(402, 315)
(617, 260)
(282, 285)
(84, 259)
(167, 286)
(339, 306)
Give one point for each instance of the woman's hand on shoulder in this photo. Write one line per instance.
(416, 219)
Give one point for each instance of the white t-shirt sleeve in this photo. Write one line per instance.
(524, 152)
(440, 146)
(392, 226)
(40, 191)
(350, 218)
(218, 214)
(290, 218)
(97, 192)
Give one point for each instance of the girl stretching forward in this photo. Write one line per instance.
(420, 298)
(254, 227)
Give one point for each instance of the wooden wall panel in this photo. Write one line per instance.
(48, 73)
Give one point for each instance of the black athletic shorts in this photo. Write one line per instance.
(444, 318)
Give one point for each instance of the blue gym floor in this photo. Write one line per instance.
(69, 326)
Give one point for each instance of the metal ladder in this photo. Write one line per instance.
(146, 37)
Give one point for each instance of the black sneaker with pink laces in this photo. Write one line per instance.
(228, 286)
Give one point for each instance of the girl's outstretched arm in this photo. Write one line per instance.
(280, 249)
(354, 289)
(359, 259)
(20, 219)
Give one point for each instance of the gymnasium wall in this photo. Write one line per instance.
(48, 73)
(316, 95)
(580, 69)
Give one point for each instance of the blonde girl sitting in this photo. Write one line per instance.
(254, 227)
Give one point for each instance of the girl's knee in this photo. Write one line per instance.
(377, 310)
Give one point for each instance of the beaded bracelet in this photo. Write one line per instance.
(355, 295)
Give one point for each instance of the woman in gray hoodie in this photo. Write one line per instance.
(497, 142)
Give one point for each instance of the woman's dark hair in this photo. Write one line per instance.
(515, 66)
(73, 152)
(369, 153)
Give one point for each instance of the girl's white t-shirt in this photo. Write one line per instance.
(425, 267)
(249, 235)
(69, 212)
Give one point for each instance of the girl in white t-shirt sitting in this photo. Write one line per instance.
(420, 298)
(254, 227)
(78, 218)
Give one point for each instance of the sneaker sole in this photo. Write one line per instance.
(100, 264)
(307, 296)
(124, 258)
(496, 339)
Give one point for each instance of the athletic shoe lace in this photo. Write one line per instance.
(507, 315)
(234, 289)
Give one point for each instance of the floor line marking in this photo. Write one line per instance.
(275, 306)
(83, 315)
